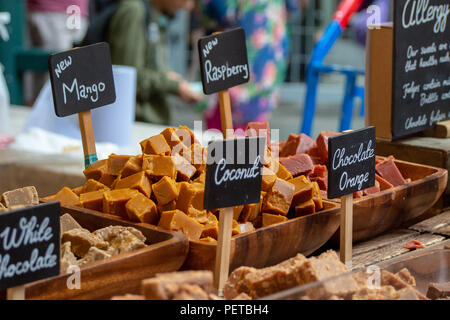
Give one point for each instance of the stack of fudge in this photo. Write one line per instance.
(165, 186)
(18, 199)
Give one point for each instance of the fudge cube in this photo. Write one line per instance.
(96, 169)
(317, 196)
(178, 221)
(78, 190)
(155, 145)
(67, 197)
(108, 180)
(82, 240)
(186, 136)
(172, 205)
(237, 212)
(389, 171)
(201, 216)
(186, 194)
(116, 163)
(298, 164)
(171, 137)
(282, 172)
(92, 200)
(305, 208)
(114, 201)
(322, 144)
(157, 166)
(165, 190)
(303, 190)
(132, 166)
(258, 129)
(92, 185)
(185, 170)
(138, 181)
(268, 179)
(279, 199)
(269, 219)
(26, 196)
(197, 199)
(142, 209)
(68, 223)
(297, 144)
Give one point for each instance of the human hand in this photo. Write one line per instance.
(186, 93)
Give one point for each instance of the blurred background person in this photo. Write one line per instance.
(48, 28)
(265, 25)
(136, 33)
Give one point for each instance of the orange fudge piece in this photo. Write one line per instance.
(303, 190)
(197, 199)
(138, 181)
(185, 196)
(186, 136)
(67, 197)
(155, 145)
(78, 190)
(208, 240)
(201, 216)
(172, 205)
(268, 179)
(96, 170)
(178, 221)
(305, 208)
(92, 185)
(269, 219)
(235, 228)
(237, 210)
(283, 173)
(165, 190)
(279, 199)
(132, 166)
(197, 155)
(201, 178)
(317, 196)
(171, 137)
(211, 228)
(159, 166)
(114, 201)
(116, 163)
(92, 200)
(142, 209)
(185, 170)
(107, 179)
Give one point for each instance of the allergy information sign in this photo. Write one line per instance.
(421, 80)
(223, 60)
(29, 244)
(82, 79)
(351, 162)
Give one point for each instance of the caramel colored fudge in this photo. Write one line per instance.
(138, 181)
(92, 185)
(132, 166)
(142, 209)
(303, 190)
(283, 173)
(208, 240)
(279, 199)
(67, 197)
(237, 210)
(178, 221)
(171, 137)
(235, 228)
(108, 180)
(305, 208)
(201, 216)
(155, 145)
(78, 190)
(92, 200)
(186, 195)
(165, 190)
(82, 240)
(268, 179)
(96, 170)
(317, 196)
(199, 195)
(172, 205)
(186, 136)
(269, 219)
(26, 196)
(159, 166)
(116, 163)
(114, 201)
(211, 228)
(185, 170)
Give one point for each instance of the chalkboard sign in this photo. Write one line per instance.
(421, 92)
(234, 172)
(223, 60)
(82, 79)
(29, 244)
(351, 162)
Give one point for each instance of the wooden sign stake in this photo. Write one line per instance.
(16, 293)
(223, 248)
(346, 229)
(87, 137)
(225, 113)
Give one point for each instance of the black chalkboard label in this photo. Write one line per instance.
(223, 60)
(82, 79)
(421, 79)
(351, 162)
(29, 244)
(234, 172)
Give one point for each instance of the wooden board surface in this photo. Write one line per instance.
(434, 224)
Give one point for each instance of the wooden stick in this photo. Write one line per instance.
(225, 113)
(223, 248)
(87, 137)
(346, 229)
(16, 293)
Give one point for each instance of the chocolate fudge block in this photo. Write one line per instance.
(438, 290)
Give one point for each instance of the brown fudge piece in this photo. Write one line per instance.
(68, 223)
(165, 190)
(235, 284)
(279, 199)
(94, 254)
(186, 136)
(121, 239)
(26, 196)
(297, 144)
(159, 166)
(92, 185)
(269, 219)
(132, 166)
(81, 240)
(298, 164)
(108, 180)
(383, 293)
(155, 145)
(186, 194)
(128, 296)
(257, 129)
(201, 216)
(114, 201)
(407, 294)
(142, 209)
(67, 197)
(138, 181)
(96, 170)
(390, 279)
(116, 163)
(165, 286)
(185, 170)
(92, 200)
(305, 208)
(172, 205)
(317, 196)
(438, 290)
(178, 221)
(322, 144)
(199, 194)
(171, 137)
(282, 172)
(406, 276)
(67, 258)
(303, 190)
(268, 179)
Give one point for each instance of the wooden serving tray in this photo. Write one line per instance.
(378, 213)
(120, 274)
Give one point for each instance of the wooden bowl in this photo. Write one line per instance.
(270, 245)
(378, 213)
(120, 274)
